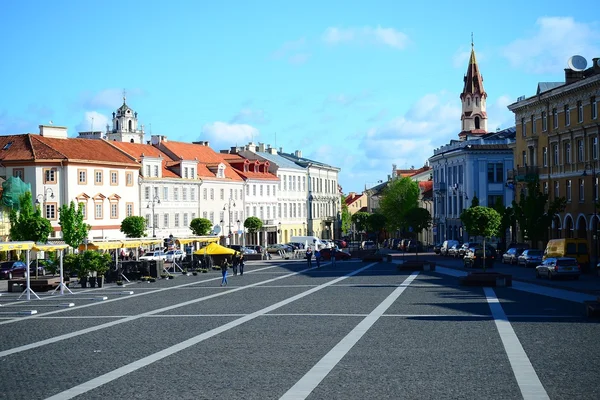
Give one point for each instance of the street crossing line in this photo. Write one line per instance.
(303, 388)
(527, 379)
(143, 362)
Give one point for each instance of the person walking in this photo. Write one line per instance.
(224, 266)
(309, 255)
(241, 264)
(235, 263)
(318, 257)
(333, 251)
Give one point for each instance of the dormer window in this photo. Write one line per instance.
(221, 171)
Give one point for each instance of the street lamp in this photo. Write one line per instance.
(44, 198)
(239, 224)
(279, 232)
(228, 208)
(594, 200)
(155, 200)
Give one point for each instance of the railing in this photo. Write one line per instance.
(441, 186)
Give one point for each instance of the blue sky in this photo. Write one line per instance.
(358, 85)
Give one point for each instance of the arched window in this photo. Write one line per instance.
(468, 101)
(476, 122)
(477, 101)
(130, 125)
(117, 124)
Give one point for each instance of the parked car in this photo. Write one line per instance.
(367, 245)
(530, 258)
(154, 256)
(512, 255)
(340, 243)
(43, 266)
(474, 258)
(437, 247)
(462, 250)
(562, 266)
(453, 251)
(403, 244)
(446, 246)
(259, 249)
(274, 248)
(339, 255)
(414, 246)
(12, 269)
(173, 255)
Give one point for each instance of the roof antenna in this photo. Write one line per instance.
(472, 45)
(124, 95)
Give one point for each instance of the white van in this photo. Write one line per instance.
(311, 241)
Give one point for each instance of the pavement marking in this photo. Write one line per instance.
(73, 297)
(143, 362)
(303, 388)
(527, 379)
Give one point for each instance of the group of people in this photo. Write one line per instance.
(317, 255)
(237, 263)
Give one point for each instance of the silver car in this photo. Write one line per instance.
(555, 267)
(530, 258)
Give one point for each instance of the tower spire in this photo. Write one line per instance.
(473, 97)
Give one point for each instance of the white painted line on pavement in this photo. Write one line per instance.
(134, 366)
(527, 379)
(321, 369)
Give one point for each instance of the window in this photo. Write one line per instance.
(261, 190)
(81, 176)
(284, 182)
(192, 173)
(193, 217)
(554, 118)
(546, 187)
(193, 194)
(212, 193)
(114, 210)
(83, 206)
(98, 177)
(556, 189)
(544, 121)
(581, 191)
(477, 101)
(176, 220)
(568, 190)
(580, 111)
(147, 220)
(268, 190)
(185, 219)
(596, 189)
(567, 115)
(205, 215)
(114, 178)
(580, 156)
(545, 156)
(185, 172)
(222, 194)
(155, 221)
(253, 190)
(128, 209)
(184, 194)
(98, 210)
(524, 158)
(523, 127)
(567, 153)
(147, 193)
(166, 220)
(212, 217)
(555, 155)
(49, 175)
(594, 107)
(176, 194)
(495, 173)
(533, 124)
(129, 178)
(595, 148)
(155, 191)
(147, 171)
(156, 170)
(165, 193)
(204, 193)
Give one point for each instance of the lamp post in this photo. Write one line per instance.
(44, 198)
(592, 167)
(279, 233)
(155, 200)
(227, 207)
(222, 223)
(239, 224)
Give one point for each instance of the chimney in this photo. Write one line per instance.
(261, 147)
(572, 76)
(158, 139)
(281, 149)
(53, 131)
(298, 153)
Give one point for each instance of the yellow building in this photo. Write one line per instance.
(557, 140)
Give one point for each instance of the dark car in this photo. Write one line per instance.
(462, 250)
(437, 248)
(12, 269)
(530, 258)
(453, 250)
(414, 246)
(512, 255)
(43, 266)
(561, 266)
(474, 258)
(342, 244)
(339, 255)
(446, 246)
(259, 249)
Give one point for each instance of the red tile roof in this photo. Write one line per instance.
(352, 198)
(426, 185)
(32, 147)
(403, 173)
(138, 150)
(239, 163)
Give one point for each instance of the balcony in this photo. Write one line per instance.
(439, 186)
(523, 174)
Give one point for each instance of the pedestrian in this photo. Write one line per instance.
(235, 263)
(224, 266)
(309, 255)
(333, 251)
(241, 261)
(318, 257)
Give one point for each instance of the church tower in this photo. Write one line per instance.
(125, 126)
(473, 96)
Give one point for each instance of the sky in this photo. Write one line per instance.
(358, 85)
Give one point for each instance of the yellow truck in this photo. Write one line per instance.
(569, 247)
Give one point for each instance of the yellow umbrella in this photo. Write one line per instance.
(214, 249)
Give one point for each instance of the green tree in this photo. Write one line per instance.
(28, 223)
(71, 221)
(200, 226)
(400, 196)
(346, 217)
(418, 219)
(481, 221)
(253, 224)
(134, 226)
(474, 201)
(508, 220)
(534, 212)
(377, 222)
(361, 221)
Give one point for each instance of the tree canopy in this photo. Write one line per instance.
(481, 221)
(400, 196)
(200, 226)
(134, 226)
(71, 221)
(346, 217)
(418, 219)
(28, 223)
(253, 224)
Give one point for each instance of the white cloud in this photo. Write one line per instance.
(107, 98)
(548, 48)
(223, 132)
(93, 120)
(367, 35)
(292, 51)
(250, 116)
(499, 116)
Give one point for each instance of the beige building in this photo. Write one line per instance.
(557, 140)
(356, 202)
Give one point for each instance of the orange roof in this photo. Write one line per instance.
(403, 173)
(352, 198)
(32, 147)
(205, 156)
(426, 185)
(243, 167)
(139, 150)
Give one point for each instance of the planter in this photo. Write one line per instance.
(92, 281)
(100, 281)
(83, 281)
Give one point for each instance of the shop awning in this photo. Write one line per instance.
(108, 245)
(8, 246)
(49, 247)
(197, 239)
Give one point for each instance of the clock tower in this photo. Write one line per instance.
(473, 97)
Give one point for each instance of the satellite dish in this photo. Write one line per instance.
(577, 63)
